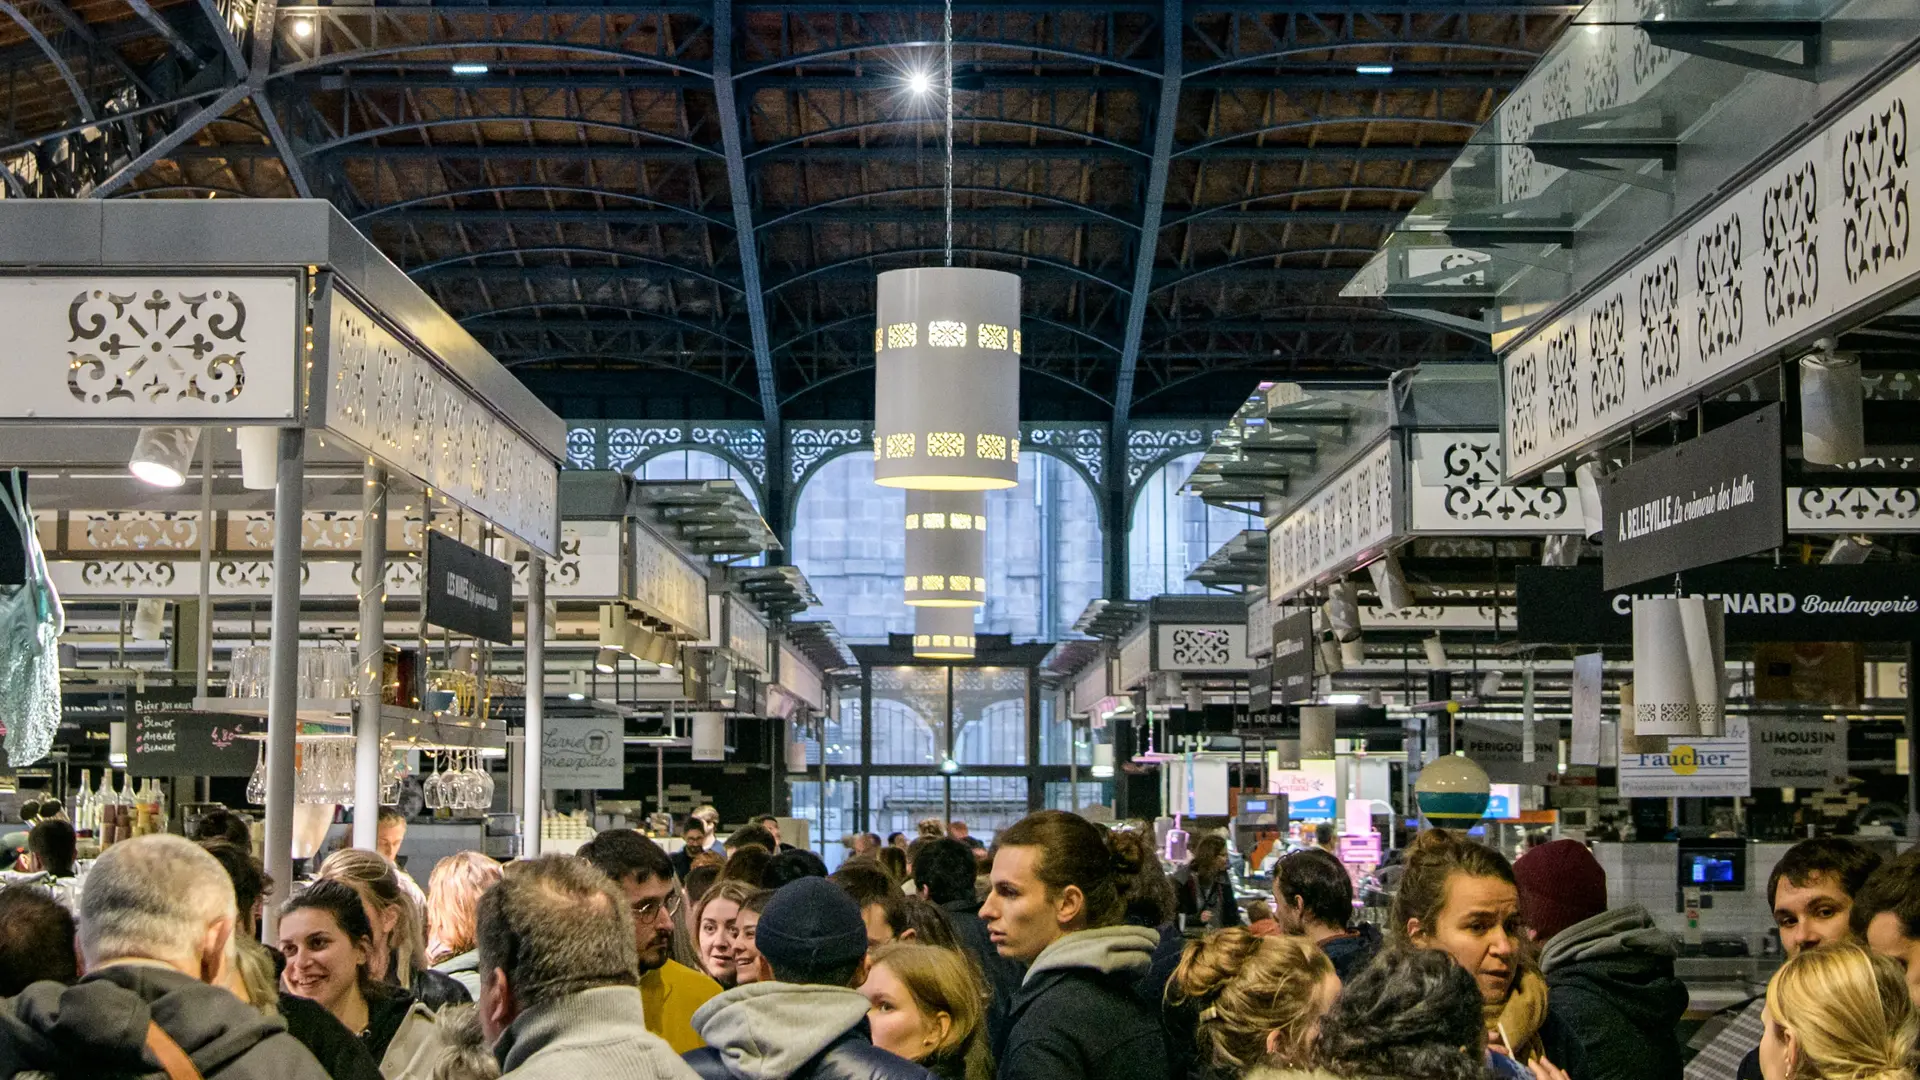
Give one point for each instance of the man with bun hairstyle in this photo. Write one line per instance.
(1058, 903)
(809, 1020)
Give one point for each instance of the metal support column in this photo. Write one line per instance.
(534, 737)
(284, 685)
(1913, 743)
(203, 615)
(370, 677)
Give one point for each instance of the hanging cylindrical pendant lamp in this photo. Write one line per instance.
(947, 379)
(709, 736)
(1317, 726)
(946, 548)
(943, 633)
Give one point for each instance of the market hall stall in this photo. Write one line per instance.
(271, 335)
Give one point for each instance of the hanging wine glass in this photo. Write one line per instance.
(434, 789)
(257, 783)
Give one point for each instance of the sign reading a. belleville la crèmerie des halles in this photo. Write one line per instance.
(1710, 499)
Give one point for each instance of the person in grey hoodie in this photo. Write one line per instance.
(559, 978)
(803, 1019)
(1058, 903)
(1610, 982)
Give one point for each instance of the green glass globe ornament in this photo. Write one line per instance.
(1453, 792)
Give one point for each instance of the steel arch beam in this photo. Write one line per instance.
(193, 125)
(1303, 193)
(1324, 121)
(980, 121)
(478, 320)
(1025, 319)
(1258, 261)
(1051, 200)
(466, 258)
(536, 189)
(565, 355)
(1092, 59)
(1055, 264)
(1172, 34)
(452, 121)
(1024, 370)
(381, 51)
(53, 56)
(733, 141)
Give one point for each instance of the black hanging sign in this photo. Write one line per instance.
(165, 737)
(1557, 605)
(1293, 658)
(468, 592)
(1714, 498)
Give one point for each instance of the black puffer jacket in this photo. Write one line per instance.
(1080, 1016)
(786, 1031)
(98, 1028)
(1612, 991)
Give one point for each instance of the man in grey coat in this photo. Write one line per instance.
(559, 978)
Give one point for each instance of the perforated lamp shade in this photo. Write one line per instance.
(946, 548)
(943, 633)
(947, 379)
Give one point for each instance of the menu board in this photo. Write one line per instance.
(166, 737)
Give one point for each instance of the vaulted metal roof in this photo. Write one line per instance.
(690, 200)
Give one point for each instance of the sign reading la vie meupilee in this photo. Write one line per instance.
(1710, 499)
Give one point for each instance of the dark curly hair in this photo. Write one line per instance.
(1411, 1014)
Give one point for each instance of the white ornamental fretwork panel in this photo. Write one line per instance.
(1203, 648)
(1349, 516)
(198, 349)
(401, 407)
(1457, 489)
(1853, 509)
(1822, 233)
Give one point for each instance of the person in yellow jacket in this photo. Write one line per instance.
(669, 991)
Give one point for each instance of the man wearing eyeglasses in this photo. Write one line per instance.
(669, 991)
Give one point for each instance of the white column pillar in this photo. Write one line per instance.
(530, 777)
(284, 686)
(372, 663)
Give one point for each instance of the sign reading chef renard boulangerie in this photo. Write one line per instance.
(1708, 500)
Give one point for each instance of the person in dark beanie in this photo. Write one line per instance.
(806, 1020)
(1609, 974)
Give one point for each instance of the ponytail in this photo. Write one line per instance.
(1075, 852)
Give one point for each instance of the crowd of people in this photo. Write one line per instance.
(1066, 951)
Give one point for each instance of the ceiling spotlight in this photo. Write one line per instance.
(919, 82)
(162, 455)
(577, 686)
(469, 69)
(1490, 683)
(303, 28)
(1373, 69)
(948, 765)
(606, 660)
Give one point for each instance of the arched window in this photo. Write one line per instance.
(1043, 550)
(1173, 533)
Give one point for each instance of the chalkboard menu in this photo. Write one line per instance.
(165, 737)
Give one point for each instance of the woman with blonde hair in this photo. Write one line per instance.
(399, 955)
(452, 902)
(1259, 1000)
(1839, 1013)
(929, 1005)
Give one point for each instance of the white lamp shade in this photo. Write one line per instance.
(1343, 611)
(1587, 479)
(1832, 431)
(947, 379)
(1679, 650)
(796, 755)
(943, 633)
(310, 821)
(946, 548)
(710, 736)
(163, 456)
(1453, 792)
(1286, 754)
(259, 457)
(1390, 584)
(149, 618)
(1436, 654)
(1316, 731)
(1102, 760)
(1353, 653)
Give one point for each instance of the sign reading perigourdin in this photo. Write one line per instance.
(1707, 500)
(1823, 235)
(1568, 606)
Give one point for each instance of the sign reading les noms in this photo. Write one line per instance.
(1713, 498)
(468, 592)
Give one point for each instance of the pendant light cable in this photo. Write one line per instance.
(947, 44)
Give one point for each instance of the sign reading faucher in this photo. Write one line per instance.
(1707, 500)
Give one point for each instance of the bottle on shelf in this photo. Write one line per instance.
(83, 804)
